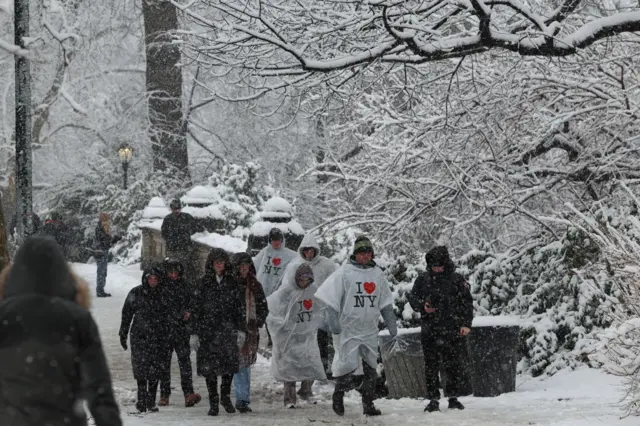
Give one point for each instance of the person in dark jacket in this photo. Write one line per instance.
(56, 228)
(51, 356)
(444, 301)
(176, 295)
(177, 229)
(104, 241)
(36, 224)
(219, 328)
(256, 311)
(145, 306)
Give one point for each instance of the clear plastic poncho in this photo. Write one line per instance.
(270, 265)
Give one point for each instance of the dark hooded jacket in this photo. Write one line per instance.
(218, 315)
(147, 309)
(447, 292)
(51, 356)
(177, 294)
(177, 230)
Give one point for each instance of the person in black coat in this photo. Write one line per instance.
(444, 301)
(146, 307)
(51, 356)
(56, 227)
(103, 242)
(219, 328)
(177, 229)
(177, 294)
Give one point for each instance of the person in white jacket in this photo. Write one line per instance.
(309, 253)
(356, 295)
(270, 264)
(294, 318)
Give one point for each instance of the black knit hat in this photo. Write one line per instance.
(362, 244)
(175, 204)
(276, 234)
(438, 256)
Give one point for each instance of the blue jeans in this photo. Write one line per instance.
(242, 385)
(101, 281)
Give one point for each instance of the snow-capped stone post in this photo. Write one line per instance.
(493, 344)
(277, 213)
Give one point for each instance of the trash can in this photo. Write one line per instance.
(403, 362)
(493, 344)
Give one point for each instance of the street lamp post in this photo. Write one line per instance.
(125, 153)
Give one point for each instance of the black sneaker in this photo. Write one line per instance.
(338, 403)
(227, 405)
(244, 409)
(432, 406)
(103, 295)
(454, 404)
(153, 409)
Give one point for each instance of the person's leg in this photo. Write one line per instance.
(305, 389)
(289, 393)
(141, 403)
(323, 344)
(343, 384)
(242, 384)
(368, 390)
(151, 396)
(183, 352)
(225, 393)
(165, 382)
(101, 279)
(454, 370)
(431, 367)
(214, 399)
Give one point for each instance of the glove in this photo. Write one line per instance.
(194, 342)
(123, 341)
(242, 336)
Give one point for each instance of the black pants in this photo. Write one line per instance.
(443, 349)
(183, 351)
(147, 390)
(225, 388)
(346, 383)
(323, 344)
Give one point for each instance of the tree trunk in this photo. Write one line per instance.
(164, 88)
(4, 248)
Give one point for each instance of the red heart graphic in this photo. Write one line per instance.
(369, 287)
(307, 304)
(276, 261)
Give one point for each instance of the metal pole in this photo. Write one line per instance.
(125, 169)
(23, 122)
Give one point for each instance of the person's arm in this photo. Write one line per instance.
(196, 226)
(262, 308)
(331, 321)
(465, 303)
(239, 311)
(389, 317)
(95, 377)
(128, 311)
(164, 229)
(416, 295)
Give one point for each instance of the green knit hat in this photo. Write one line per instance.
(362, 244)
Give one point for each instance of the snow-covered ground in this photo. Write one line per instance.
(571, 398)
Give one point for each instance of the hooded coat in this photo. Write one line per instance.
(447, 292)
(255, 308)
(270, 265)
(358, 294)
(295, 315)
(322, 266)
(177, 295)
(51, 356)
(218, 314)
(145, 317)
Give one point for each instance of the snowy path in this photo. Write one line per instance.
(586, 397)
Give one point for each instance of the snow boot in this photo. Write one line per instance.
(454, 404)
(214, 409)
(368, 409)
(189, 400)
(103, 294)
(151, 403)
(433, 405)
(243, 407)
(141, 404)
(338, 403)
(164, 401)
(227, 405)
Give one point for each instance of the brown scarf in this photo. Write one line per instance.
(249, 352)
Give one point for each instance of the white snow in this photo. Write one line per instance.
(262, 228)
(215, 240)
(200, 195)
(156, 202)
(272, 214)
(209, 212)
(584, 397)
(277, 204)
(496, 321)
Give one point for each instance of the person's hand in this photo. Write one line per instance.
(428, 309)
(242, 336)
(123, 342)
(187, 315)
(464, 331)
(194, 342)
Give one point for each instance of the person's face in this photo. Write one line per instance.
(176, 210)
(153, 281)
(173, 275)
(309, 253)
(364, 257)
(276, 244)
(244, 270)
(304, 283)
(218, 266)
(437, 269)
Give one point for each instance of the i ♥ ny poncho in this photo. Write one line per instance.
(357, 293)
(294, 318)
(270, 265)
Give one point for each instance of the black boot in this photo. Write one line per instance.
(226, 403)
(338, 402)
(214, 399)
(141, 404)
(151, 396)
(433, 405)
(225, 393)
(368, 409)
(454, 404)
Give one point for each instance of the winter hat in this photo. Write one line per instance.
(362, 244)
(304, 271)
(438, 256)
(276, 234)
(175, 204)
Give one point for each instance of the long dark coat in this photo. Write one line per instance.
(218, 315)
(177, 295)
(146, 307)
(51, 355)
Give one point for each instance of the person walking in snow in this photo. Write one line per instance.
(356, 295)
(270, 264)
(294, 318)
(177, 229)
(322, 267)
(256, 311)
(177, 296)
(147, 309)
(56, 228)
(219, 328)
(446, 307)
(103, 241)
(51, 354)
